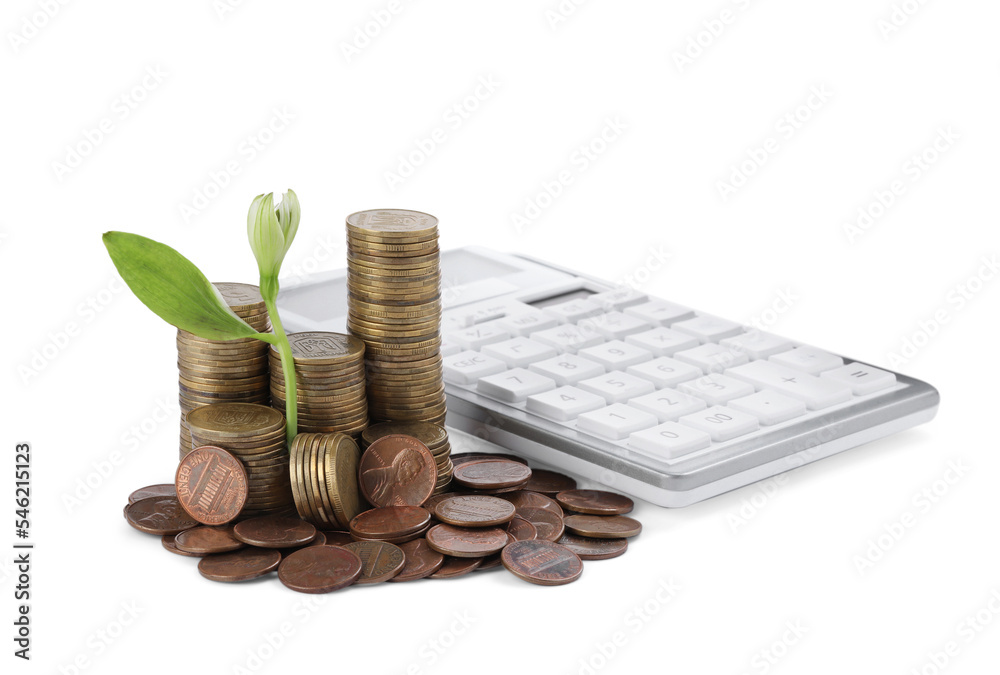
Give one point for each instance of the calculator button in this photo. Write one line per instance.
(660, 312)
(716, 389)
(861, 379)
(525, 323)
(564, 403)
(757, 344)
(519, 352)
(514, 385)
(569, 338)
(448, 347)
(485, 314)
(815, 392)
(619, 298)
(615, 325)
(474, 337)
(665, 371)
(567, 369)
(808, 359)
(721, 423)
(574, 310)
(616, 355)
(668, 405)
(708, 328)
(662, 341)
(616, 386)
(467, 367)
(616, 421)
(669, 441)
(769, 407)
(712, 358)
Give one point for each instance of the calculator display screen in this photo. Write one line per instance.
(565, 297)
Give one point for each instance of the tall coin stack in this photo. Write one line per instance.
(394, 306)
(224, 371)
(255, 435)
(434, 436)
(330, 382)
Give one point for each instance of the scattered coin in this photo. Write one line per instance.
(379, 561)
(549, 482)
(207, 540)
(456, 567)
(421, 561)
(318, 540)
(542, 562)
(474, 511)
(493, 561)
(549, 526)
(463, 542)
(162, 490)
(595, 502)
(159, 515)
(338, 538)
(603, 527)
(464, 457)
(389, 522)
(274, 532)
(241, 565)
(536, 499)
(319, 569)
(168, 543)
(397, 471)
(593, 549)
(211, 485)
(521, 529)
(491, 474)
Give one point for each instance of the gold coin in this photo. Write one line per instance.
(236, 420)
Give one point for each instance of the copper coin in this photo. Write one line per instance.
(603, 527)
(389, 522)
(493, 561)
(243, 565)
(463, 457)
(521, 529)
(466, 542)
(491, 474)
(456, 567)
(211, 485)
(534, 499)
(159, 515)
(320, 569)
(434, 500)
(593, 549)
(338, 538)
(168, 543)
(161, 490)
(595, 502)
(549, 482)
(474, 511)
(318, 540)
(421, 561)
(206, 540)
(274, 532)
(397, 470)
(542, 562)
(549, 525)
(379, 561)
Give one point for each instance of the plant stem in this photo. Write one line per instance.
(269, 289)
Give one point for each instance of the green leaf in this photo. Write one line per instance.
(171, 286)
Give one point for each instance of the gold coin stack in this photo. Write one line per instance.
(324, 475)
(330, 382)
(254, 434)
(224, 371)
(394, 306)
(434, 436)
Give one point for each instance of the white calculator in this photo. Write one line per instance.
(637, 393)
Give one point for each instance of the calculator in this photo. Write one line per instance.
(637, 393)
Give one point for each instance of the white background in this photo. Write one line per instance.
(890, 88)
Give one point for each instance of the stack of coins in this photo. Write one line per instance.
(255, 435)
(434, 436)
(324, 477)
(394, 305)
(330, 382)
(224, 371)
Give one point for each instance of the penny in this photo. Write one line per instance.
(159, 515)
(542, 562)
(491, 474)
(211, 485)
(456, 567)
(242, 565)
(207, 540)
(463, 457)
(474, 511)
(434, 500)
(595, 502)
(318, 540)
(421, 561)
(338, 538)
(274, 532)
(162, 490)
(593, 549)
(379, 561)
(535, 499)
(463, 542)
(493, 561)
(389, 521)
(521, 529)
(168, 543)
(397, 470)
(549, 482)
(549, 525)
(320, 569)
(603, 527)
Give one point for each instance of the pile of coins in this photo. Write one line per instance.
(255, 435)
(324, 476)
(218, 371)
(434, 436)
(330, 382)
(394, 306)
